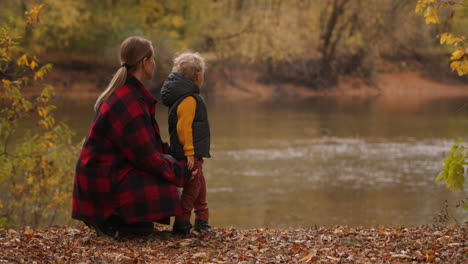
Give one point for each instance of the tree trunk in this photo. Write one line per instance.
(328, 46)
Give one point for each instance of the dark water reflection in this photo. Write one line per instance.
(324, 161)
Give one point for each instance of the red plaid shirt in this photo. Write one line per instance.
(121, 169)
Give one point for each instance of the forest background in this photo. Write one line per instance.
(253, 47)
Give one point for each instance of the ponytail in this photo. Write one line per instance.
(118, 80)
(132, 51)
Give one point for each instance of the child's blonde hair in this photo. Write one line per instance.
(189, 64)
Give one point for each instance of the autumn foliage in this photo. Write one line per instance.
(36, 162)
(430, 10)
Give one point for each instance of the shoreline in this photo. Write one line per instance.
(391, 86)
(339, 244)
(85, 84)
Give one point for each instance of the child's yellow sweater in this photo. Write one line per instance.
(185, 115)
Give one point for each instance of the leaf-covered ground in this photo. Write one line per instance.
(323, 245)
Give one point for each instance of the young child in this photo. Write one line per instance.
(189, 132)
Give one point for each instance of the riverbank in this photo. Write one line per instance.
(441, 244)
(395, 87)
(85, 78)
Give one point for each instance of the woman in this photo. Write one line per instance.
(123, 180)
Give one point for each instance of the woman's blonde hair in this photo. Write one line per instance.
(132, 51)
(189, 64)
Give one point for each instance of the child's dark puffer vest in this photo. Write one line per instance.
(173, 92)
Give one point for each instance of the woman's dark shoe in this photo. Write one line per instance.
(140, 228)
(104, 230)
(181, 228)
(202, 226)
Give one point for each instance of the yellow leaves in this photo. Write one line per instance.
(449, 38)
(459, 57)
(32, 17)
(44, 110)
(33, 65)
(461, 67)
(422, 4)
(16, 105)
(6, 82)
(23, 60)
(426, 7)
(460, 63)
(431, 15)
(457, 54)
(6, 43)
(47, 123)
(39, 75)
(41, 111)
(36, 10)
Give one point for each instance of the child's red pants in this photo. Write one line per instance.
(194, 196)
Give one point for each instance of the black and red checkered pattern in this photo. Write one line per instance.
(121, 169)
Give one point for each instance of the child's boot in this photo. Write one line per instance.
(181, 228)
(202, 226)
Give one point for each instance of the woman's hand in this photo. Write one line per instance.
(194, 174)
(190, 162)
(169, 157)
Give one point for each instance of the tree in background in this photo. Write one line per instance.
(455, 164)
(36, 168)
(315, 42)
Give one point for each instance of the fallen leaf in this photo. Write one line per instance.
(295, 248)
(309, 256)
(400, 256)
(444, 238)
(200, 255)
(28, 231)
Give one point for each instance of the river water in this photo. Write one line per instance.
(324, 161)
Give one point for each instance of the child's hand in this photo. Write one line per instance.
(190, 162)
